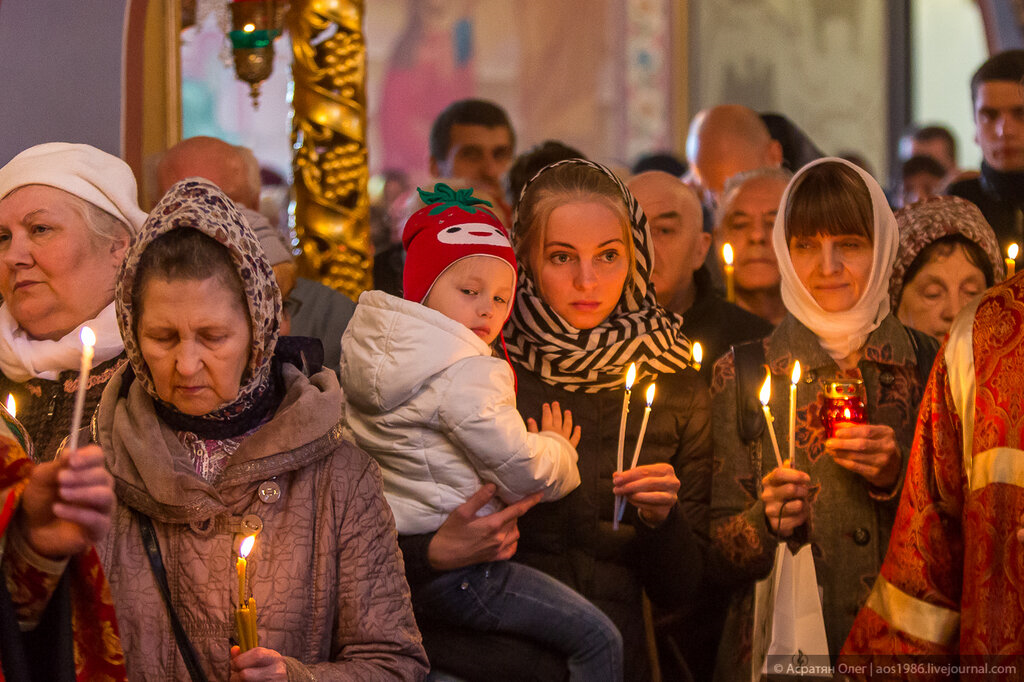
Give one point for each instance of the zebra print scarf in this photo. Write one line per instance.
(592, 360)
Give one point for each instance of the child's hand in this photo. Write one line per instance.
(551, 419)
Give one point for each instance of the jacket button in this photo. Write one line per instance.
(251, 524)
(270, 492)
(861, 536)
(887, 378)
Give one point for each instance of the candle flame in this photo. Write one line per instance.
(88, 337)
(796, 372)
(698, 352)
(246, 546)
(650, 395)
(249, 28)
(11, 406)
(727, 254)
(846, 412)
(766, 389)
(631, 376)
(1012, 250)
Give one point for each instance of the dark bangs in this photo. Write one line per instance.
(829, 198)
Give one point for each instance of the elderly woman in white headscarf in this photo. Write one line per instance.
(67, 214)
(836, 242)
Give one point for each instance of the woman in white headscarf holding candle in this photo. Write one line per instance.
(67, 214)
(836, 241)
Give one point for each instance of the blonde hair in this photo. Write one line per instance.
(558, 185)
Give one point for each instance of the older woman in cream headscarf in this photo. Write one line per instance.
(836, 241)
(67, 214)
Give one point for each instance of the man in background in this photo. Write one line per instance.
(998, 99)
(311, 309)
(473, 140)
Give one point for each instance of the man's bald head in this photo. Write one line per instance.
(680, 244)
(233, 169)
(726, 140)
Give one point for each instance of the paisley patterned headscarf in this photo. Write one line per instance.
(925, 222)
(197, 204)
(591, 360)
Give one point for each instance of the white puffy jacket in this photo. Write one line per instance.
(429, 402)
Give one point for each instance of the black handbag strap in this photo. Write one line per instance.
(750, 368)
(925, 348)
(156, 562)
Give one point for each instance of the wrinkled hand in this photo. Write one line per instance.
(257, 664)
(868, 450)
(551, 419)
(67, 503)
(652, 488)
(465, 539)
(786, 491)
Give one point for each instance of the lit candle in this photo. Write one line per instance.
(639, 444)
(245, 614)
(730, 284)
(88, 342)
(766, 394)
(630, 378)
(12, 407)
(1011, 260)
(643, 426)
(698, 355)
(792, 412)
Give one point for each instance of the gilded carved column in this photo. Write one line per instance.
(329, 140)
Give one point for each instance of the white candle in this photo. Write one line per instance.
(792, 412)
(639, 443)
(88, 342)
(630, 378)
(643, 426)
(766, 394)
(12, 407)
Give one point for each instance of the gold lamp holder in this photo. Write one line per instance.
(254, 26)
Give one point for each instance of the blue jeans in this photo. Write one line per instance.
(510, 598)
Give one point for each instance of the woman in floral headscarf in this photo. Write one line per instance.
(948, 255)
(217, 429)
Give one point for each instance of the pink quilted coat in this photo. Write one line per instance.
(326, 572)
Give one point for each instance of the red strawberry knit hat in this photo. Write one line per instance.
(453, 225)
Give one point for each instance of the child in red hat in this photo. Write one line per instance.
(429, 400)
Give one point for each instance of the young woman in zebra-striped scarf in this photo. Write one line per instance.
(584, 311)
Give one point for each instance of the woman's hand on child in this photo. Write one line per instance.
(652, 488)
(868, 450)
(552, 419)
(786, 496)
(67, 503)
(465, 539)
(259, 664)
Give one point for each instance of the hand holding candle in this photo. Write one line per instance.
(245, 613)
(88, 342)
(639, 444)
(1011, 260)
(730, 282)
(630, 378)
(766, 394)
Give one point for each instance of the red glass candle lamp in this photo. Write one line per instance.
(844, 404)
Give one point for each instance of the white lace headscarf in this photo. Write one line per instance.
(842, 333)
